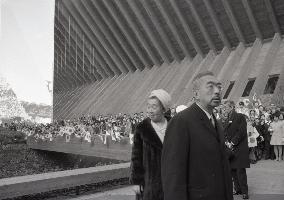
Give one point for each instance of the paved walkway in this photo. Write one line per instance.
(265, 180)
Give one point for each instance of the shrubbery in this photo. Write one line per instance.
(19, 160)
(16, 159)
(11, 137)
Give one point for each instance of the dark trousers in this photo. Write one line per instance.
(240, 180)
(268, 149)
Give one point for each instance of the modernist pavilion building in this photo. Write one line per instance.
(109, 54)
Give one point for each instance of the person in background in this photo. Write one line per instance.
(147, 147)
(216, 113)
(242, 109)
(252, 139)
(96, 128)
(236, 134)
(281, 119)
(252, 114)
(142, 115)
(256, 108)
(260, 140)
(168, 114)
(116, 131)
(262, 111)
(173, 112)
(272, 112)
(276, 129)
(262, 128)
(134, 123)
(128, 131)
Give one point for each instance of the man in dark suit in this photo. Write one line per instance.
(194, 162)
(237, 140)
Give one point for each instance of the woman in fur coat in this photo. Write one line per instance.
(147, 147)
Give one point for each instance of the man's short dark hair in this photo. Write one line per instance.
(195, 81)
(202, 74)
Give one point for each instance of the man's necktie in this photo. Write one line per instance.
(212, 121)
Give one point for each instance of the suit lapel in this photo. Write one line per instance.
(206, 122)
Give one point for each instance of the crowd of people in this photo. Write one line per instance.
(116, 126)
(265, 129)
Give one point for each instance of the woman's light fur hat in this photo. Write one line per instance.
(163, 96)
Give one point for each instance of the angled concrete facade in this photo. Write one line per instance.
(110, 54)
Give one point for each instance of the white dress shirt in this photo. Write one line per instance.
(210, 116)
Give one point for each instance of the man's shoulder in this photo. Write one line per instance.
(186, 113)
(184, 118)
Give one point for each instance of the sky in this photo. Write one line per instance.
(26, 47)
